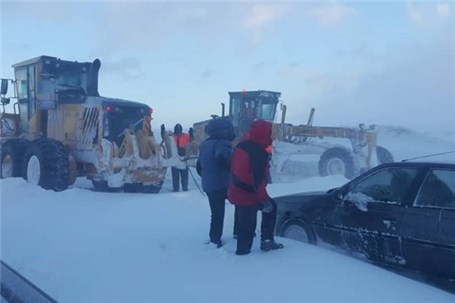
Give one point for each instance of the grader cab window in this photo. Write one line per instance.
(254, 108)
(70, 78)
(67, 75)
(247, 106)
(243, 112)
(120, 118)
(22, 83)
(267, 110)
(26, 94)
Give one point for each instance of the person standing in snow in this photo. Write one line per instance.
(213, 165)
(180, 171)
(250, 170)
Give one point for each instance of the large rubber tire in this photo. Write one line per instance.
(73, 170)
(299, 230)
(384, 156)
(100, 185)
(46, 163)
(140, 188)
(338, 161)
(12, 157)
(152, 189)
(132, 187)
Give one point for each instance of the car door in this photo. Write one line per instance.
(369, 218)
(428, 230)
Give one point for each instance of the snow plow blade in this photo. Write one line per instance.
(140, 159)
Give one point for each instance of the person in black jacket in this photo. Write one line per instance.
(213, 165)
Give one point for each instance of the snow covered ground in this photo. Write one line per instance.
(90, 247)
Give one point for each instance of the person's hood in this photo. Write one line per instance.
(261, 132)
(221, 128)
(178, 129)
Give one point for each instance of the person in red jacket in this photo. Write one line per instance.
(250, 172)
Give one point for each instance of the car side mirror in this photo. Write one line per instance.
(338, 194)
(4, 87)
(5, 101)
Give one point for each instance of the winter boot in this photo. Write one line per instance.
(242, 253)
(267, 245)
(218, 244)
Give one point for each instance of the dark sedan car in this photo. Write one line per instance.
(396, 213)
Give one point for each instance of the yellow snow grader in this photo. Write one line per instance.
(60, 128)
(346, 159)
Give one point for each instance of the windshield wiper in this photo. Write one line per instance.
(67, 87)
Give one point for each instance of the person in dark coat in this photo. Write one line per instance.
(213, 165)
(250, 170)
(180, 171)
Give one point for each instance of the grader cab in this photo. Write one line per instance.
(349, 160)
(60, 128)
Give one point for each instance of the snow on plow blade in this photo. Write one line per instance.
(139, 159)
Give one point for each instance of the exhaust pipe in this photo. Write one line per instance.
(92, 89)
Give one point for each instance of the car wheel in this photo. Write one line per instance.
(298, 230)
(338, 161)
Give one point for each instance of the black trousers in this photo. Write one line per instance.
(217, 207)
(246, 217)
(179, 175)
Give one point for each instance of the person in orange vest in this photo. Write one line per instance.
(180, 171)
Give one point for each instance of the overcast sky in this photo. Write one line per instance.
(380, 62)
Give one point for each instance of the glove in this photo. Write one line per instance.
(267, 206)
